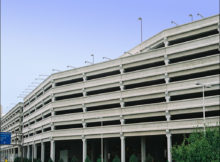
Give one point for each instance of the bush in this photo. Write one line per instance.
(87, 159)
(74, 159)
(50, 160)
(199, 147)
(60, 160)
(17, 159)
(133, 158)
(99, 159)
(116, 159)
(149, 158)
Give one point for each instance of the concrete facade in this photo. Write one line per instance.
(148, 93)
(12, 122)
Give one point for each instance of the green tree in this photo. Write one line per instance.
(199, 147)
(116, 159)
(133, 158)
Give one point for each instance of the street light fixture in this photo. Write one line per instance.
(56, 70)
(93, 58)
(71, 67)
(106, 58)
(203, 100)
(43, 75)
(88, 62)
(190, 15)
(173, 22)
(198, 14)
(140, 18)
(128, 53)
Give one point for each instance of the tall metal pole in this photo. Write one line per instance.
(203, 108)
(141, 29)
(101, 143)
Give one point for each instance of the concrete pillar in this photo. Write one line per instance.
(122, 103)
(28, 152)
(169, 146)
(32, 152)
(166, 60)
(84, 77)
(84, 92)
(123, 149)
(166, 43)
(121, 69)
(121, 86)
(166, 77)
(167, 96)
(42, 151)
(143, 149)
(35, 151)
(52, 150)
(168, 116)
(84, 149)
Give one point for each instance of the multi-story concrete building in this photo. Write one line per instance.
(12, 122)
(139, 104)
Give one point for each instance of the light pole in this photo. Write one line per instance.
(140, 18)
(203, 100)
(71, 67)
(198, 14)
(106, 58)
(128, 53)
(190, 15)
(55, 70)
(93, 59)
(173, 22)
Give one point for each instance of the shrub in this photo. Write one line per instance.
(149, 158)
(87, 159)
(17, 159)
(99, 159)
(133, 158)
(116, 159)
(50, 160)
(199, 147)
(74, 159)
(60, 160)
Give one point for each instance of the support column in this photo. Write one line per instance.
(52, 150)
(169, 146)
(123, 148)
(28, 152)
(84, 149)
(32, 152)
(143, 149)
(35, 151)
(42, 151)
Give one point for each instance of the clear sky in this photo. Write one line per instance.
(39, 35)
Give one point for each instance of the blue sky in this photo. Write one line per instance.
(39, 35)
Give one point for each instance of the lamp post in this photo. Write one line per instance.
(173, 22)
(93, 58)
(140, 18)
(106, 58)
(128, 53)
(198, 14)
(190, 15)
(203, 101)
(101, 142)
(71, 67)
